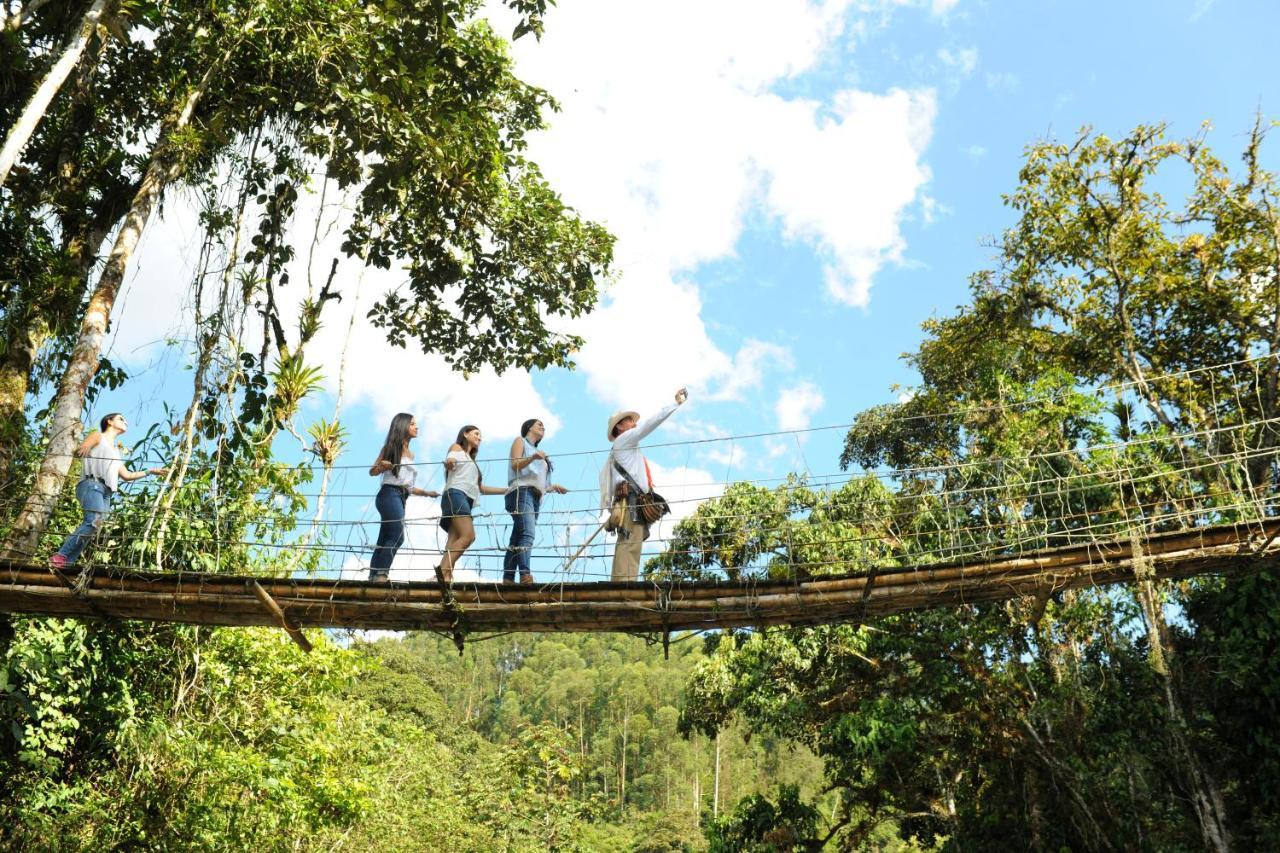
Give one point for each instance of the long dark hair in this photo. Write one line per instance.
(397, 438)
(524, 435)
(526, 426)
(461, 441)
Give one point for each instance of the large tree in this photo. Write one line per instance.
(413, 107)
(1085, 720)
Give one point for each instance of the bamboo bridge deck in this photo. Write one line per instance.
(646, 607)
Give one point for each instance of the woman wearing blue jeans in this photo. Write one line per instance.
(527, 481)
(398, 474)
(101, 473)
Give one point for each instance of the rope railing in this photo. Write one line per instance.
(972, 507)
(898, 474)
(978, 534)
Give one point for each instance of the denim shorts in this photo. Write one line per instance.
(453, 502)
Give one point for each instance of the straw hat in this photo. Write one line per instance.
(617, 416)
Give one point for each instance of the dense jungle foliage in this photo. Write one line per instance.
(233, 739)
(1137, 717)
(1120, 718)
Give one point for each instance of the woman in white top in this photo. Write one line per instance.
(463, 486)
(398, 475)
(102, 472)
(528, 479)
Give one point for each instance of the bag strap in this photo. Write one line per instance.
(631, 481)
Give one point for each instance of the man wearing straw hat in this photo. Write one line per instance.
(626, 431)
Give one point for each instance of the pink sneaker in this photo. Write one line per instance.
(58, 561)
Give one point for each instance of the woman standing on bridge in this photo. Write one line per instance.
(395, 467)
(463, 486)
(100, 478)
(528, 474)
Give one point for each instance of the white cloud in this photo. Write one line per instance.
(669, 135)
(155, 301)
(797, 405)
(962, 61)
(391, 380)
(976, 152)
(388, 379)
(649, 341)
(685, 489)
(1003, 81)
(930, 210)
(748, 368)
(942, 7)
(684, 426)
(673, 135)
(1201, 8)
(727, 455)
(843, 183)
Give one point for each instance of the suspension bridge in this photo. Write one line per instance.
(642, 607)
(1160, 504)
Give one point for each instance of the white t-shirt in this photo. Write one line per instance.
(408, 473)
(465, 476)
(103, 463)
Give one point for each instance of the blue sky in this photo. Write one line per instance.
(796, 187)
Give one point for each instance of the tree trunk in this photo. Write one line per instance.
(15, 377)
(1206, 796)
(622, 777)
(65, 427)
(26, 124)
(471, 692)
(1035, 811)
(697, 795)
(27, 331)
(39, 310)
(715, 791)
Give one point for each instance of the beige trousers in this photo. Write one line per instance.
(626, 554)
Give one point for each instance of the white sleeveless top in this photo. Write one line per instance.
(534, 474)
(465, 476)
(104, 463)
(408, 473)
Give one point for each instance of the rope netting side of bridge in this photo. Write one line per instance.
(1068, 504)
